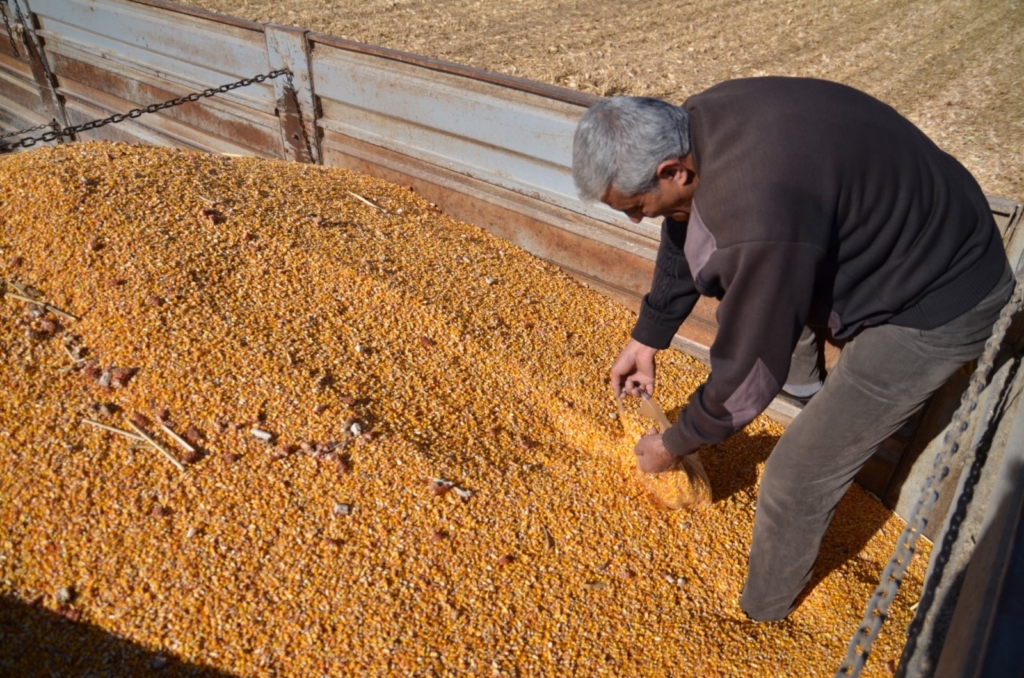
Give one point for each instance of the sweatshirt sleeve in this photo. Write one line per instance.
(673, 293)
(768, 288)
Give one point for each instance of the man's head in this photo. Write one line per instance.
(633, 154)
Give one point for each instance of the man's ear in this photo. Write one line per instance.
(676, 171)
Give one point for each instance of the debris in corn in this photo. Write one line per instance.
(407, 354)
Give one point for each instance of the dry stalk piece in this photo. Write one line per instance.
(26, 290)
(367, 201)
(72, 355)
(126, 434)
(170, 457)
(49, 307)
(176, 438)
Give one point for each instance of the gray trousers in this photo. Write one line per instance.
(881, 378)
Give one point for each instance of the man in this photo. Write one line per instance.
(796, 203)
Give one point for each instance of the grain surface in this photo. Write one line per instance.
(409, 461)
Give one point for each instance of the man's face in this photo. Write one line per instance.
(672, 197)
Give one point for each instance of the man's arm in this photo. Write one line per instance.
(673, 293)
(768, 292)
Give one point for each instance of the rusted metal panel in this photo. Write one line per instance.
(7, 49)
(127, 133)
(1003, 211)
(17, 89)
(13, 66)
(126, 89)
(85, 104)
(296, 103)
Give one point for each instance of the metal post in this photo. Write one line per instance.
(296, 103)
(44, 77)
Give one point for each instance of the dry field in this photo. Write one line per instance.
(954, 67)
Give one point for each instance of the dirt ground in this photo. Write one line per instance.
(954, 67)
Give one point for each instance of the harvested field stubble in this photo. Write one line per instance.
(953, 67)
(408, 460)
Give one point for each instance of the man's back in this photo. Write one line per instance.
(906, 232)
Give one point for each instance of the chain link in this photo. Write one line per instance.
(135, 113)
(892, 576)
(26, 131)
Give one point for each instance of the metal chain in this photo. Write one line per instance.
(26, 131)
(152, 108)
(892, 576)
(7, 23)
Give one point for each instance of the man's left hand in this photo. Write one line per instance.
(651, 455)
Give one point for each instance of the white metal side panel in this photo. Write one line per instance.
(511, 139)
(189, 72)
(111, 56)
(196, 50)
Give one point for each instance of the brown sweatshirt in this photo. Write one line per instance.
(817, 205)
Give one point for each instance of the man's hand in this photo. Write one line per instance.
(651, 455)
(633, 370)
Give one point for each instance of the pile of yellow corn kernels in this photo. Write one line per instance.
(262, 418)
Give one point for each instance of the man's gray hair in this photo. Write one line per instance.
(621, 141)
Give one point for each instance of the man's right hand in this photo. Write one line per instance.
(633, 370)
